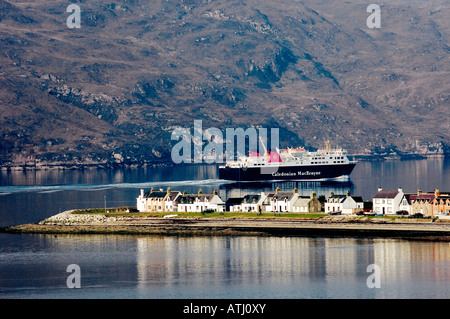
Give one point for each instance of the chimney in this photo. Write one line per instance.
(400, 189)
(348, 193)
(380, 189)
(331, 194)
(199, 191)
(313, 195)
(295, 190)
(277, 190)
(215, 192)
(142, 193)
(436, 192)
(168, 190)
(419, 191)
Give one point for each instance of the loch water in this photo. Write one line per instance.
(119, 266)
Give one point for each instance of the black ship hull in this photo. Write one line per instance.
(310, 172)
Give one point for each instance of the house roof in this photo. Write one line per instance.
(357, 199)
(283, 195)
(158, 194)
(268, 198)
(342, 198)
(422, 197)
(191, 198)
(302, 201)
(173, 195)
(251, 197)
(186, 199)
(386, 194)
(234, 201)
(338, 198)
(443, 197)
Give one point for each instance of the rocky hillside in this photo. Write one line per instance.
(113, 90)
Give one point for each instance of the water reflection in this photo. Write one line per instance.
(221, 267)
(331, 267)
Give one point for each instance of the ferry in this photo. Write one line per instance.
(290, 164)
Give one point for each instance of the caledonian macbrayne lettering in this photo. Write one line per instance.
(236, 308)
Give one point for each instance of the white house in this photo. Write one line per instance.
(214, 202)
(200, 202)
(387, 202)
(252, 202)
(283, 201)
(405, 203)
(157, 201)
(170, 201)
(346, 204)
(334, 203)
(266, 202)
(234, 204)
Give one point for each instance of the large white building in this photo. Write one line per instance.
(387, 202)
(281, 201)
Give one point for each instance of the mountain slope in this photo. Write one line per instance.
(115, 89)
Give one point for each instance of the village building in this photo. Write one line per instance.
(405, 204)
(441, 203)
(157, 201)
(170, 201)
(387, 202)
(267, 202)
(283, 201)
(234, 204)
(307, 204)
(422, 203)
(252, 202)
(200, 202)
(346, 204)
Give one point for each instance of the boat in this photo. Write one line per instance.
(289, 164)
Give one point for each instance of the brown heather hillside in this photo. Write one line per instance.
(114, 90)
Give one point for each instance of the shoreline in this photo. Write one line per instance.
(227, 226)
(44, 166)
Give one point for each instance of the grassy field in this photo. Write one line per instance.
(122, 211)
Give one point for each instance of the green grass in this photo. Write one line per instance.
(121, 211)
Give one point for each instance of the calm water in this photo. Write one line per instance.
(221, 267)
(34, 266)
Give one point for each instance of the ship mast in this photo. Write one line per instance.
(265, 150)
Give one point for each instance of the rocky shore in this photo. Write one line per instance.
(70, 223)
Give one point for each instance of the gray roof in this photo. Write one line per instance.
(283, 195)
(155, 194)
(386, 194)
(248, 199)
(234, 201)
